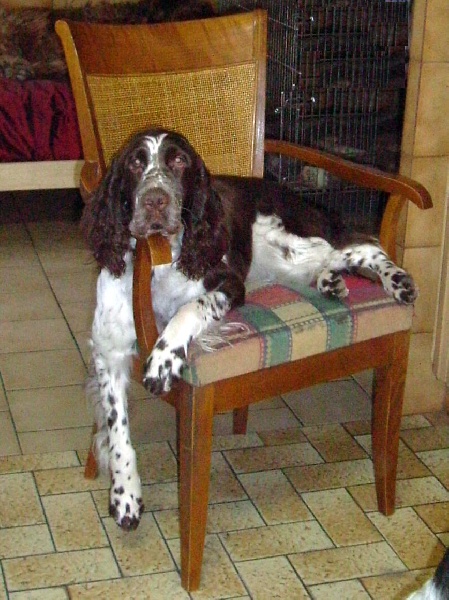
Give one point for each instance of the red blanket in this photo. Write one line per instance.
(37, 121)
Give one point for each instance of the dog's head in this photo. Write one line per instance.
(156, 184)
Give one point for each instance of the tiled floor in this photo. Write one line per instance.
(292, 508)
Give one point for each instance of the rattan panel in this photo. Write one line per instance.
(213, 108)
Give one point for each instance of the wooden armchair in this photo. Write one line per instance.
(206, 79)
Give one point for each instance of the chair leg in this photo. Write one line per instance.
(389, 386)
(240, 420)
(91, 466)
(196, 408)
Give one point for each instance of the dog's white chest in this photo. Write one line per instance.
(170, 289)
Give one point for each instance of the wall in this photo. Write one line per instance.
(425, 157)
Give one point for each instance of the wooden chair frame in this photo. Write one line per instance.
(196, 406)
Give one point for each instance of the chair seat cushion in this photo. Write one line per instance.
(281, 323)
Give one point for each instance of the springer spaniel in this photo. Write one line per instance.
(223, 230)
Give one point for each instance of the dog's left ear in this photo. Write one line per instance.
(205, 238)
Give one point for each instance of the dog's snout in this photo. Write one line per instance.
(156, 198)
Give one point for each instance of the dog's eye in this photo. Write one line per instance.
(135, 164)
(179, 160)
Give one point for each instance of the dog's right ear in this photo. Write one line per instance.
(106, 217)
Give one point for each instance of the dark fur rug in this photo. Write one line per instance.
(30, 48)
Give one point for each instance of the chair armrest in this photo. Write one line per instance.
(399, 188)
(154, 251)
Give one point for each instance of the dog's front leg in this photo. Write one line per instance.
(168, 357)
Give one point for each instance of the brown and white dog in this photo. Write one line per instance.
(436, 588)
(223, 231)
(30, 48)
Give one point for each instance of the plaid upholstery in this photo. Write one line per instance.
(280, 324)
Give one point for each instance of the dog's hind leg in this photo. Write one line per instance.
(396, 281)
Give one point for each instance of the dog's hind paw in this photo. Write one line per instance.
(331, 284)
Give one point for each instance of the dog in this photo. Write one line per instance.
(30, 48)
(436, 588)
(223, 231)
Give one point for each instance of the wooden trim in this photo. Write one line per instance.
(40, 175)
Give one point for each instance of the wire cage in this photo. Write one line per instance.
(336, 75)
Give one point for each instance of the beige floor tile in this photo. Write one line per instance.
(341, 590)
(26, 508)
(58, 440)
(50, 408)
(218, 576)
(341, 518)
(325, 566)
(160, 586)
(437, 461)
(423, 490)
(224, 486)
(275, 497)
(151, 420)
(333, 475)
(334, 443)
(42, 369)
(335, 402)
(30, 336)
(48, 235)
(408, 464)
(38, 462)
(431, 438)
(82, 340)
(79, 286)
(414, 422)
(64, 481)
(227, 516)
(42, 594)
(139, 552)
(24, 281)
(398, 529)
(79, 315)
(274, 540)
(231, 442)
(74, 522)
(17, 307)
(436, 516)
(258, 420)
(14, 234)
(23, 541)
(271, 457)
(156, 462)
(60, 261)
(3, 402)
(272, 578)
(60, 569)
(278, 437)
(396, 585)
(365, 380)
(3, 595)
(9, 443)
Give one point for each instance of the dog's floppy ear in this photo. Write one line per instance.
(106, 219)
(205, 238)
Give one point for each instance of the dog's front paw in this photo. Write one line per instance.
(163, 367)
(402, 287)
(331, 284)
(126, 505)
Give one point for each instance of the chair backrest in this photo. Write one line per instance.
(204, 79)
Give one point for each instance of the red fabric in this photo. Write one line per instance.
(37, 121)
